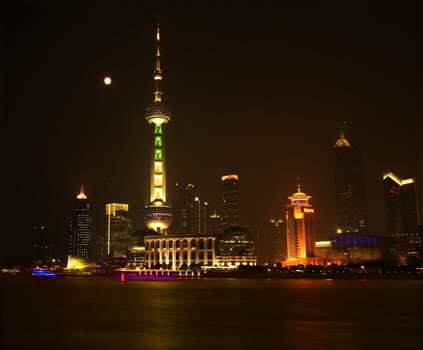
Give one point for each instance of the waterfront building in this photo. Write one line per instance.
(402, 217)
(275, 248)
(236, 247)
(349, 186)
(80, 226)
(401, 204)
(179, 251)
(158, 213)
(118, 230)
(231, 211)
(300, 231)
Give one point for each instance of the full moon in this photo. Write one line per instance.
(107, 80)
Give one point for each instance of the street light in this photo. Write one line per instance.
(205, 204)
(199, 213)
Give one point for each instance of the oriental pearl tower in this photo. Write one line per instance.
(158, 214)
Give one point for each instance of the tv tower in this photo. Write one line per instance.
(158, 214)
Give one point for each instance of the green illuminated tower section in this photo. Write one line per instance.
(158, 215)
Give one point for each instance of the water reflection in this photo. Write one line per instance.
(97, 313)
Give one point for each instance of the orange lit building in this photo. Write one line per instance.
(300, 232)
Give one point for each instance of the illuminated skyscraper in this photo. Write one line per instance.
(401, 204)
(349, 187)
(403, 218)
(300, 232)
(80, 227)
(118, 229)
(231, 212)
(158, 213)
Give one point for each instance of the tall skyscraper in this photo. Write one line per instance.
(231, 212)
(80, 227)
(158, 213)
(402, 215)
(184, 214)
(349, 187)
(118, 229)
(401, 204)
(300, 231)
(274, 244)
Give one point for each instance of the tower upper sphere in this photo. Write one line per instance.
(158, 112)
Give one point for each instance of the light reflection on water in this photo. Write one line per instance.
(99, 313)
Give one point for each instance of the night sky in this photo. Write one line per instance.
(255, 87)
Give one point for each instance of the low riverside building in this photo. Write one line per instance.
(176, 251)
(228, 250)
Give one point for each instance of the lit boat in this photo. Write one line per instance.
(43, 272)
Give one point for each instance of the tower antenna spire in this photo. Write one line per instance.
(342, 130)
(158, 72)
(299, 184)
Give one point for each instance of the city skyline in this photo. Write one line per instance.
(258, 87)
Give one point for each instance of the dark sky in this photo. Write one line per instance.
(257, 87)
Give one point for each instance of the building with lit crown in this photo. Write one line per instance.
(158, 213)
(403, 218)
(300, 231)
(349, 187)
(118, 230)
(230, 211)
(80, 228)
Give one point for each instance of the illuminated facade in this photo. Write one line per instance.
(178, 251)
(158, 214)
(80, 228)
(236, 247)
(349, 187)
(118, 229)
(300, 232)
(402, 217)
(401, 204)
(231, 213)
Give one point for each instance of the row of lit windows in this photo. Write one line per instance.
(200, 255)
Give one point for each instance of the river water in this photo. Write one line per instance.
(221, 313)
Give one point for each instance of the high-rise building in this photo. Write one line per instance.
(118, 230)
(300, 231)
(41, 244)
(402, 218)
(274, 244)
(80, 227)
(213, 223)
(183, 221)
(231, 212)
(349, 187)
(158, 213)
(401, 203)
